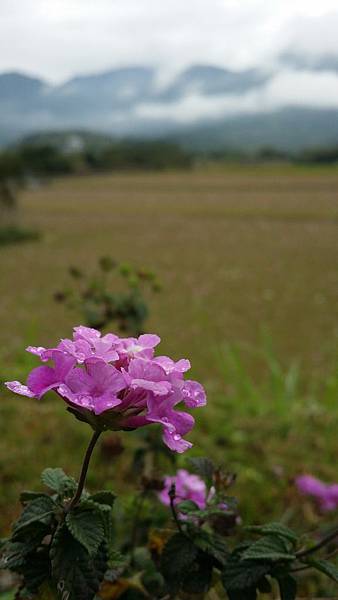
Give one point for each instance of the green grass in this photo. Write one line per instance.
(239, 251)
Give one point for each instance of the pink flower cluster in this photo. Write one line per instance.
(325, 494)
(187, 487)
(117, 383)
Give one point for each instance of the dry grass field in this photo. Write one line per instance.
(236, 251)
(246, 256)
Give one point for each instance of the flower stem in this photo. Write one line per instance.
(172, 496)
(326, 540)
(84, 470)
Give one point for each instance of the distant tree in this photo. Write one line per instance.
(319, 156)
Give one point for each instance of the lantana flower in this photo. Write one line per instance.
(187, 487)
(117, 383)
(325, 494)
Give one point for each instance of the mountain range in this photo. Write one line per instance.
(204, 106)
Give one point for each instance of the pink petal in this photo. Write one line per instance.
(41, 380)
(19, 388)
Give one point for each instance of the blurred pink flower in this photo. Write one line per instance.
(325, 494)
(187, 486)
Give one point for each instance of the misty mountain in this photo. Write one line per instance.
(288, 129)
(134, 102)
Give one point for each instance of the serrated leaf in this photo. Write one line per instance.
(104, 497)
(204, 467)
(274, 529)
(287, 587)
(326, 567)
(58, 481)
(117, 564)
(35, 570)
(87, 527)
(27, 496)
(75, 573)
(38, 512)
(213, 545)
(89, 504)
(15, 553)
(178, 555)
(14, 556)
(242, 575)
(269, 548)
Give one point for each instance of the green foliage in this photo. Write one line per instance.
(287, 587)
(74, 571)
(36, 516)
(326, 567)
(65, 545)
(100, 306)
(212, 545)
(87, 527)
(178, 557)
(270, 548)
(277, 529)
(238, 575)
(72, 551)
(59, 482)
(13, 234)
(47, 156)
(105, 497)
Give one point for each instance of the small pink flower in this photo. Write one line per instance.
(187, 486)
(325, 494)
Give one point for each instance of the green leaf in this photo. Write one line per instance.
(75, 573)
(274, 529)
(208, 513)
(104, 497)
(58, 481)
(204, 467)
(178, 555)
(198, 577)
(326, 567)
(287, 587)
(14, 556)
(37, 513)
(269, 548)
(36, 570)
(187, 506)
(213, 545)
(27, 496)
(87, 527)
(117, 564)
(242, 575)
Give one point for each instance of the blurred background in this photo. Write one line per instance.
(173, 168)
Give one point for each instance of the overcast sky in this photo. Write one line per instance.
(59, 38)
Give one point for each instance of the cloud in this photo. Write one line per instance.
(286, 88)
(312, 37)
(58, 38)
